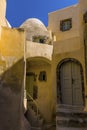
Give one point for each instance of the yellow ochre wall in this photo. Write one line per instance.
(63, 14)
(68, 44)
(44, 99)
(11, 46)
(12, 43)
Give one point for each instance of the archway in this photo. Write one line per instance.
(70, 86)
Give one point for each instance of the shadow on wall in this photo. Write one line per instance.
(11, 99)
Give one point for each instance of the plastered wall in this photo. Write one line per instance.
(11, 79)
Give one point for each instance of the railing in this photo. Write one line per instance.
(35, 103)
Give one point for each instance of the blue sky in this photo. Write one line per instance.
(20, 10)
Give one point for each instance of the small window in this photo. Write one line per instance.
(42, 76)
(66, 24)
(39, 39)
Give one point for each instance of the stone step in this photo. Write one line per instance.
(33, 116)
(75, 114)
(51, 126)
(34, 119)
(71, 123)
(36, 128)
(69, 108)
(32, 105)
(70, 128)
(70, 117)
(77, 120)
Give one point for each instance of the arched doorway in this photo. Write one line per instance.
(70, 87)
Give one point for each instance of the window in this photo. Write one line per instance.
(42, 76)
(39, 39)
(66, 24)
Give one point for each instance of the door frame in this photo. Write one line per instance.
(59, 95)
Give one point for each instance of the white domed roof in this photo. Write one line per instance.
(8, 24)
(32, 22)
(34, 27)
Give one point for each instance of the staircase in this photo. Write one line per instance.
(33, 115)
(71, 118)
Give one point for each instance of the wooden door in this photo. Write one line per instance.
(76, 85)
(71, 83)
(30, 84)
